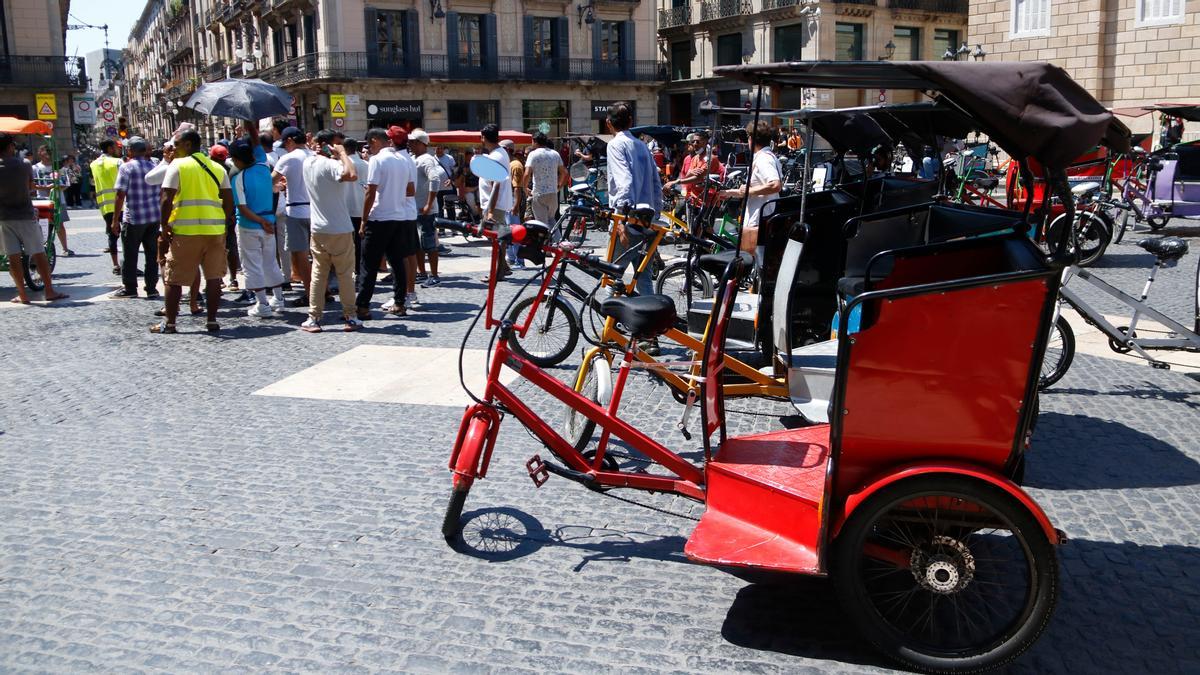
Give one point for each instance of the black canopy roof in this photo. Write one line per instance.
(1030, 109)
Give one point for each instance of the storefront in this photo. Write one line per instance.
(552, 118)
(600, 113)
(406, 114)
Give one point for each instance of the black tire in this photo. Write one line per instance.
(452, 521)
(671, 283)
(578, 429)
(33, 278)
(1092, 233)
(1157, 223)
(1060, 351)
(956, 605)
(551, 336)
(1122, 224)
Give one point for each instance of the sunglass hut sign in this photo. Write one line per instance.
(411, 109)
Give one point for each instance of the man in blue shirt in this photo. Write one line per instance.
(256, 229)
(633, 181)
(136, 212)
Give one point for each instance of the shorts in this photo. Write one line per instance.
(22, 236)
(296, 233)
(410, 242)
(187, 252)
(428, 233)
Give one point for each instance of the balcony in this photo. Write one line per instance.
(675, 17)
(214, 71)
(712, 10)
(43, 71)
(354, 65)
(931, 6)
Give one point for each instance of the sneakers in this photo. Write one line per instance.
(311, 325)
(430, 282)
(411, 300)
(275, 304)
(392, 308)
(389, 306)
(421, 276)
(260, 311)
(352, 325)
(123, 293)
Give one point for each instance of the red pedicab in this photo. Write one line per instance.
(905, 497)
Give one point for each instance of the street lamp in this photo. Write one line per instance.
(979, 54)
(963, 51)
(586, 13)
(435, 10)
(948, 55)
(889, 50)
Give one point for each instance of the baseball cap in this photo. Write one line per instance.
(692, 138)
(136, 144)
(419, 136)
(242, 151)
(218, 153)
(292, 133)
(507, 144)
(398, 135)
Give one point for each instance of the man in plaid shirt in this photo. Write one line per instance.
(136, 213)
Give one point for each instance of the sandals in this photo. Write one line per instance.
(162, 311)
(163, 328)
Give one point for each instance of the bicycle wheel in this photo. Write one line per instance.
(1060, 350)
(673, 281)
(946, 573)
(1122, 224)
(552, 334)
(1092, 233)
(594, 381)
(1157, 223)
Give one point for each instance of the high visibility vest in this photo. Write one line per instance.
(104, 175)
(197, 207)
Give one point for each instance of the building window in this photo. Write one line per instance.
(789, 41)
(310, 34)
(849, 42)
(681, 60)
(471, 115)
(944, 40)
(908, 43)
(469, 41)
(550, 117)
(543, 41)
(729, 49)
(389, 36)
(1030, 18)
(610, 41)
(1159, 12)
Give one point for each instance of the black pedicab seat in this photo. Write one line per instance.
(715, 263)
(1166, 249)
(644, 316)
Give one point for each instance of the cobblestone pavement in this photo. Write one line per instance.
(156, 516)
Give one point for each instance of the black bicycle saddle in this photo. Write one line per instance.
(715, 263)
(644, 316)
(1165, 249)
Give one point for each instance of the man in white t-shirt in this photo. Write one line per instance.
(387, 204)
(289, 177)
(545, 175)
(446, 160)
(766, 181)
(431, 179)
(495, 197)
(326, 174)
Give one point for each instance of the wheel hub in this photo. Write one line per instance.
(946, 566)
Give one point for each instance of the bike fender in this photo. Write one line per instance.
(856, 499)
(473, 447)
(604, 385)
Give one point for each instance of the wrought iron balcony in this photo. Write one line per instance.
(933, 6)
(723, 9)
(674, 17)
(46, 71)
(855, 2)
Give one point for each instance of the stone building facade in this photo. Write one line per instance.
(32, 50)
(1125, 52)
(696, 35)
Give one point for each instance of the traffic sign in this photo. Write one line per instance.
(339, 122)
(337, 105)
(107, 104)
(108, 116)
(85, 108)
(111, 132)
(47, 106)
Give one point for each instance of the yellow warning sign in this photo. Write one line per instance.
(337, 105)
(47, 106)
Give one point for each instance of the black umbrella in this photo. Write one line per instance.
(240, 99)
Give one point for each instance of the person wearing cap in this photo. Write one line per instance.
(410, 238)
(390, 187)
(253, 197)
(104, 175)
(219, 153)
(326, 173)
(288, 175)
(431, 178)
(197, 207)
(136, 212)
(496, 197)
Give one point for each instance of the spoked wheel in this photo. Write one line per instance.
(1157, 223)
(1122, 224)
(673, 282)
(1120, 347)
(1060, 350)
(593, 380)
(33, 276)
(1092, 234)
(452, 521)
(552, 334)
(946, 574)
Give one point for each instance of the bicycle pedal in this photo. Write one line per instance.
(1160, 365)
(687, 435)
(537, 471)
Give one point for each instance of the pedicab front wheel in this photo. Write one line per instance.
(452, 521)
(946, 574)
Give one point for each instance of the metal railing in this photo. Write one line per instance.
(722, 9)
(856, 2)
(214, 71)
(937, 6)
(351, 65)
(674, 17)
(61, 71)
(768, 5)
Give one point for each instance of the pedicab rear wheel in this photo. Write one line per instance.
(970, 579)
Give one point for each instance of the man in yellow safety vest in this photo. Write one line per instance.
(197, 206)
(104, 176)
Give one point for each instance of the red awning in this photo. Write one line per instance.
(13, 125)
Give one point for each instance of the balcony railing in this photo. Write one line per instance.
(723, 9)
(53, 71)
(351, 65)
(214, 71)
(768, 5)
(674, 17)
(936, 6)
